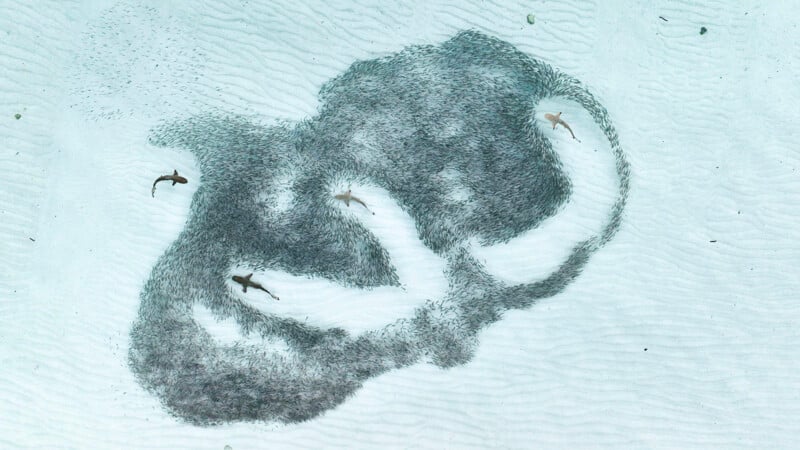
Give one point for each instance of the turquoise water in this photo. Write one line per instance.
(455, 267)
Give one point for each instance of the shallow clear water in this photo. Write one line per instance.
(453, 270)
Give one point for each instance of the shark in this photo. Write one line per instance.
(557, 120)
(348, 196)
(247, 282)
(175, 178)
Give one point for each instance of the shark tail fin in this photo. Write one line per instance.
(270, 293)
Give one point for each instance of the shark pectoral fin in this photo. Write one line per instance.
(347, 202)
(248, 277)
(244, 288)
(173, 182)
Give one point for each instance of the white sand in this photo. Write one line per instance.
(709, 124)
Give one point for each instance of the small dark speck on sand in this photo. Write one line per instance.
(645, 349)
(703, 30)
(18, 116)
(32, 239)
(712, 241)
(662, 18)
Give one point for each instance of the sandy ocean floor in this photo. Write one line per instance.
(681, 332)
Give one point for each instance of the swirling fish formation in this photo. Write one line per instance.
(466, 107)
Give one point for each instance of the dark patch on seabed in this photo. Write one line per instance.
(464, 107)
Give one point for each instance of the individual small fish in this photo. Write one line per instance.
(348, 196)
(175, 178)
(247, 282)
(557, 120)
